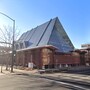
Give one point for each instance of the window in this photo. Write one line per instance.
(21, 45)
(26, 44)
(17, 46)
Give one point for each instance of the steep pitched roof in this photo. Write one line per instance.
(38, 34)
(49, 33)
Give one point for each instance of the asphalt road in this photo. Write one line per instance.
(24, 82)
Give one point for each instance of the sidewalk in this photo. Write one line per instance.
(15, 71)
(59, 76)
(54, 76)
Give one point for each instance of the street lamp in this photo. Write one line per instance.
(12, 41)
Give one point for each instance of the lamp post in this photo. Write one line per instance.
(12, 63)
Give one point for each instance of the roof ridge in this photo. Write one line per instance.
(44, 31)
(53, 28)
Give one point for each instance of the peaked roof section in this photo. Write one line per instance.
(42, 35)
(60, 39)
(39, 35)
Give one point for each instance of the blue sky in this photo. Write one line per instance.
(73, 14)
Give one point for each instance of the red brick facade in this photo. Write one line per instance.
(46, 56)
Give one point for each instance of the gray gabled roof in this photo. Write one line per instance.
(39, 35)
(49, 33)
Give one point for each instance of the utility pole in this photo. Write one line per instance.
(12, 63)
(1, 64)
(13, 49)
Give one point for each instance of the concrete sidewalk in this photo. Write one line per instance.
(16, 71)
(57, 76)
(61, 74)
(64, 76)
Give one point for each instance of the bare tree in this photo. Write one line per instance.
(7, 34)
(6, 39)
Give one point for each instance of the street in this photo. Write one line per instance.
(25, 82)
